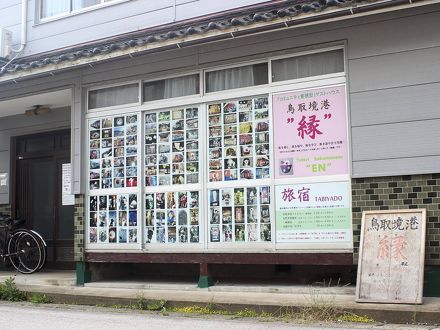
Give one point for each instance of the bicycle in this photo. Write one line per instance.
(25, 249)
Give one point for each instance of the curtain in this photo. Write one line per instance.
(78, 4)
(54, 7)
(173, 87)
(229, 78)
(308, 65)
(112, 96)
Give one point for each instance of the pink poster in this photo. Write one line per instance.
(310, 133)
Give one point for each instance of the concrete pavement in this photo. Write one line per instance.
(60, 285)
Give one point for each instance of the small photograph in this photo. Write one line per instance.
(265, 195)
(164, 159)
(261, 114)
(252, 216)
(229, 107)
(230, 140)
(239, 196)
(245, 128)
(119, 121)
(122, 235)
(119, 152)
(149, 234)
(165, 148)
(132, 236)
(106, 143)
(131, 182)
(230, 152)
(132, 119)
(214, 197)
(194, 199)
(286, 166)
(265, 213)
(230, 129)
(119, 131)
(150, 150)
(164, 127)
(94, 203)
(230, 118)
(118, 183)
(178, 114)
(94, 164)
(171, 218)
(245, 105)
(132, 202)
(178, 125)
(132, 218)
(178, 168)
(215, 131)
(183, 234)
(192, 134)
(265, 233)
(164, 116)
(119, 142)
(194, 216)
(131, 171)
(131, 150)
(94, 154)
(95, 135)
(262, 126)
(182, 200)
(192, 124)
(151, 160)
(261, 103)
(240, 233)
(149, 201)
(178, 157)
(151, 128)
(164, 180)
(252, 232)
(93, 235)
(251, 196)
(112, 199)
(93, 220)
(227, 197)
(239, 214)
(178, 136)
(95, 144)
(192, 113)
(262, 137)
(178, 146)
(102, 219)
(150, 118)
(192, 167)
(102, 235)
(106, 153)
(182, 218)
(227, 233)
(230, 163)
(215, 234)
(245, 117)
(262, 149)
(215, 176)
(192, 178)
(215, 164)
(112, 235)
(215, 153)
(106, 183)
(149, 218)
(107, 133)
(179, 179)
(230, 175)
(246, 162)
(102, 202)
(214, 109)
(119, 162)
(226, 214)
(194, 234)
(245, 139)
(160, 235)
(215, 142)
(95, 125)
(246, 151)
(192, 145)
(131, 140)
(192, 156)
(263, 161)
(263, 173)
(247, 174)
(122, 219)
(160, 218)
(151, 181)
(131, 130)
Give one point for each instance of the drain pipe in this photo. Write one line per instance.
(23, 37)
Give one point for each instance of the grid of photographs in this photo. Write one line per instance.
(172, 147)
(238, 144)
(113, 218)
(113, 152)
(172, 217)
(239, 215)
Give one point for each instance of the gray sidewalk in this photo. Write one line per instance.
(60, 285)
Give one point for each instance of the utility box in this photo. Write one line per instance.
(5, 42)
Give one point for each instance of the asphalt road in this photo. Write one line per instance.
(64, 317)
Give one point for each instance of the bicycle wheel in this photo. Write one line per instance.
(25, 251)
(43, 249)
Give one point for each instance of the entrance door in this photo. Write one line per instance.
(38, 193)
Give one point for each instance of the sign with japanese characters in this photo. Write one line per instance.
(310, 133)
(391, 257)
(313, 213)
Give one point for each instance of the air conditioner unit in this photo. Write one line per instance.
(5, 42)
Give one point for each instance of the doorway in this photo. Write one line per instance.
(38, 193)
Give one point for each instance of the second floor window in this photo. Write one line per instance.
(50, 8)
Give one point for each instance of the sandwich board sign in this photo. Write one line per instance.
(391, 257)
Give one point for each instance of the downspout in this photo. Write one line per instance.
(23, 37)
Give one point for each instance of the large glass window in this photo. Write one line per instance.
(51, 8)
(173, 87)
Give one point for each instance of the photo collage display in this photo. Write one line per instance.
(239, 215)
(113, 218)
(238, 144)
(172, 217)
(113, 152)
(172, 147)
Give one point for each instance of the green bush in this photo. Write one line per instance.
(10, 292)
(38, 298)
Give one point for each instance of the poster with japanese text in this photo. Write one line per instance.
(313, 213)
(310, 133)
(391, 258)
